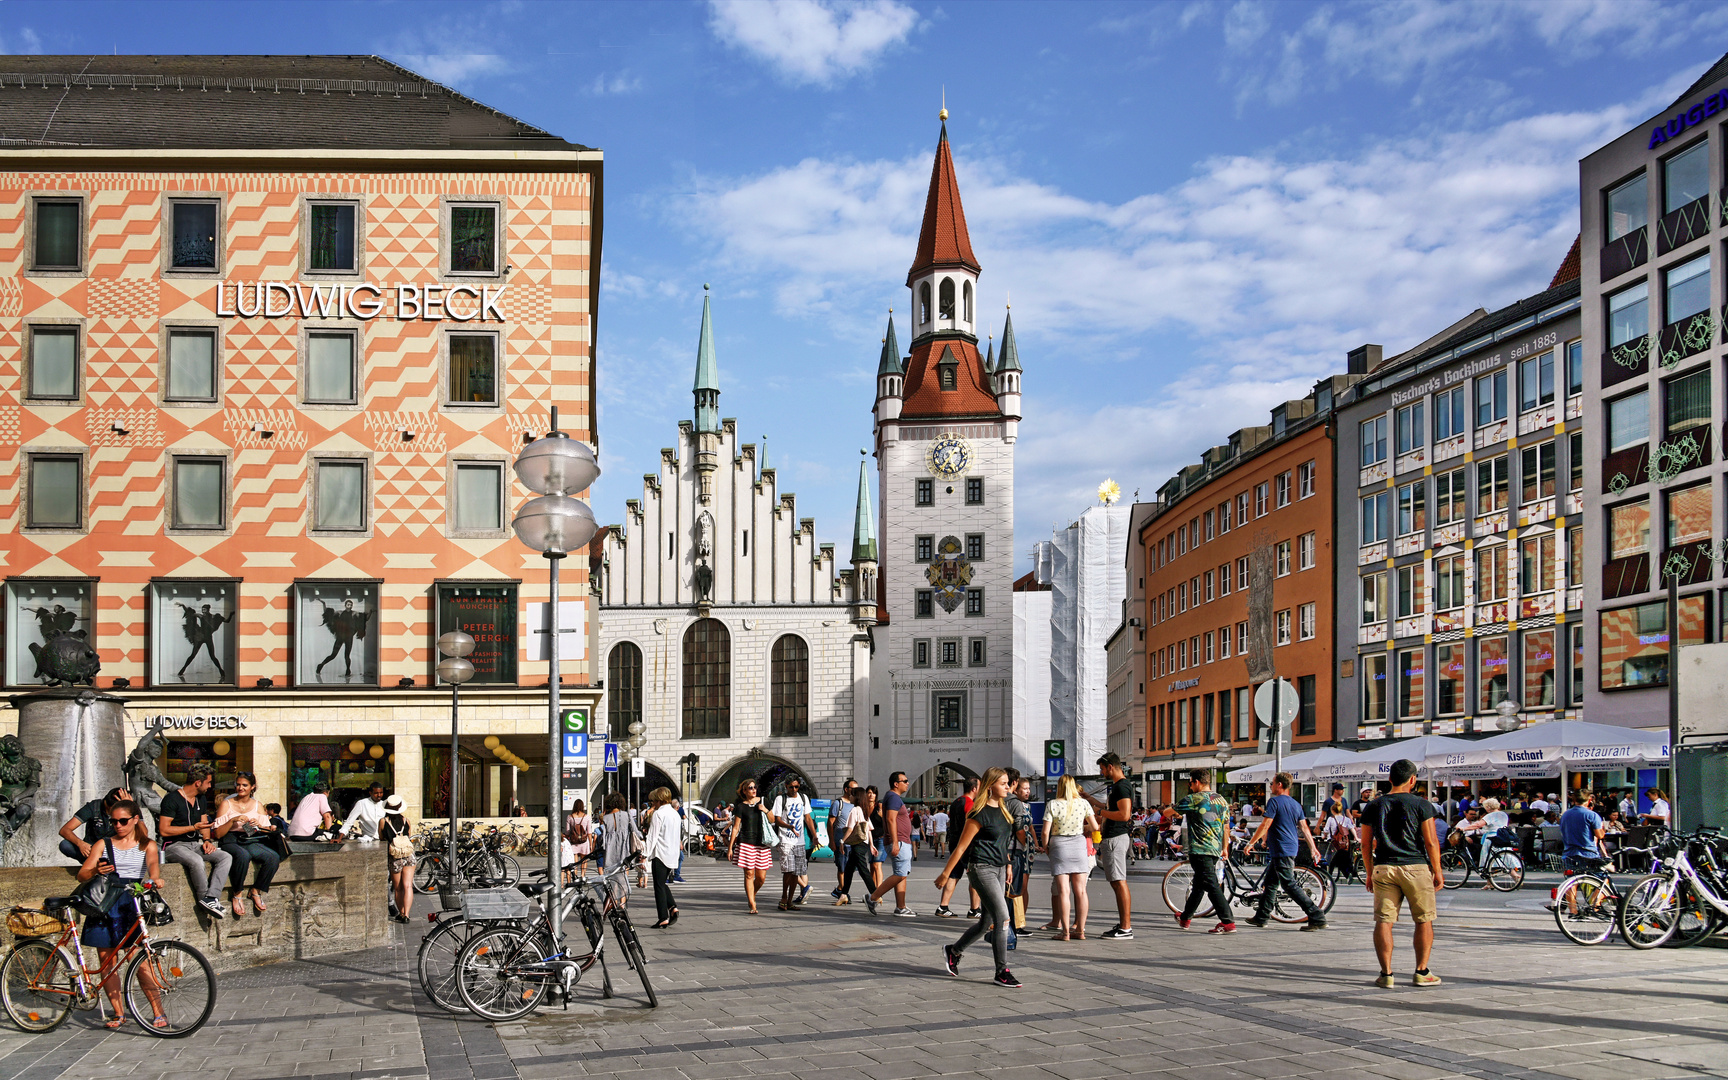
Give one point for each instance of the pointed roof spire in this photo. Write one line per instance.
(707, 387)
(864, 522)
(1010, 351)
(943, 239)
(890, 364)
(990, 355)
(762, 461)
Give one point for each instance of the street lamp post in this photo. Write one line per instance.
(555, 523)
(454, 669)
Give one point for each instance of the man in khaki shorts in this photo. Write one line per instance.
(1401, 860)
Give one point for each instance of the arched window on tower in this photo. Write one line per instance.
(945, 299)
(790, 679)
(966, 300)
(624, 686)
(707, 680)
(924, 303)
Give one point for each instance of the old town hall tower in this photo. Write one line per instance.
(946, 419)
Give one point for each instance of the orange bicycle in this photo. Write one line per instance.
(169, 987)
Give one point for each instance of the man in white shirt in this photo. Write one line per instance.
(368, 812)
(938, 831)
(1628, 805)
(792, 814)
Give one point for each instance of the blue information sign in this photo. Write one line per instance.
(611, 757)
(1055, 767)
(575, 746)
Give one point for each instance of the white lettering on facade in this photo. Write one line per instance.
(199, 722)
(280, 299)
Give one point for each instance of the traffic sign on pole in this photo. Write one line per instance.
(576, 721)
(611, 758)
(1055, 748)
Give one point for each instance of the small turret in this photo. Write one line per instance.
(707, 391)
(864, 553)
(1008, 376)
(890, 375)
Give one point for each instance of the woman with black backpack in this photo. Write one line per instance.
(129, 856)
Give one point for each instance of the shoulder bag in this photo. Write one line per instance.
(98, 897)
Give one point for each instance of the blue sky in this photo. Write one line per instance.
(1198, 208)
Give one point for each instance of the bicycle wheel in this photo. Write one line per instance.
(429, 874)
(173, 981)
(626, 935)
(1505, 871)
(1584, 910)
(1696, 922)
(1648, 915)
(1177, 881)
(509, 870)
(436, 964)
(37, 986)
(1454, 868)
(508, 840)
(1286, 910)
(493, 976)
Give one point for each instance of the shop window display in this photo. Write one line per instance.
(336, 633)
(37, 612)
(192, 632)
(348, 766)
(220, 754)
(486, 613)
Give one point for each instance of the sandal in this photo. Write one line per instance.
(239, 906)
(1060, 935)
(114, 1024)
(784, 906)
(258, 902)
(1077, 935)
(159, 1022)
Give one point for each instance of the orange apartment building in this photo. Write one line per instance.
(272, 330)
(1269, 490)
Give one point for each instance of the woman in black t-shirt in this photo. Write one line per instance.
(750, 844)
(986, 835)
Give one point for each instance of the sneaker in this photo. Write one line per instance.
(905, 913)
(1118, 933)
(870, 902)
(1006, 978)
(945, 912)
(1181, 923)
(802, 894)
(1386, 982)
(973, 913)
(1256, 922)
(213, 907)
(1423, 979)
(951, 959)
(1312, 925)
(1223, 928)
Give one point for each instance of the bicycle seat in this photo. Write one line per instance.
(57, 903)
(533, 888)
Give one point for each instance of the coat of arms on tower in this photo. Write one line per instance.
(949, 573)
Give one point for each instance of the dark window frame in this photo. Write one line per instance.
(175, 460)
(706, 680)
(74, 269)
(31, 459)
(789, 687)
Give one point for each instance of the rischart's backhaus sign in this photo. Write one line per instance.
(298, 300)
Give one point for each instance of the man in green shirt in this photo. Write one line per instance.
(1206, 818)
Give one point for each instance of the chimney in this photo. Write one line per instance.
(1363, 359)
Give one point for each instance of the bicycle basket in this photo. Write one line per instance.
(156, 910)
(496, 904)
(32, 922)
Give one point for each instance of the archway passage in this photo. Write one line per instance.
(941, 783)
(635, 789)
(770, 774)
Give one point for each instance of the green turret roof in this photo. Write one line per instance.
(1010, 354)
(864, 523)
(890, 364)
(707, 388)
(990, 356)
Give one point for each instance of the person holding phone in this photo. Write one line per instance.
(188, 837)
(129, 855)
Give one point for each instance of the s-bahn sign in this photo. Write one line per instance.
(430, 301)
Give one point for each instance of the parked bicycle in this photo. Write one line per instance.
(480, 862)
(169, 988)
(1685, 900)
(1503, 868)
(1244, 891)
(1587, 903)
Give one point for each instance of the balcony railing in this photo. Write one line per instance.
(1684, 225)
(1621, 255)
(1626, 360)
(1687, 337)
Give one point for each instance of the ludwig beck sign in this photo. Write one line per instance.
(430, 301)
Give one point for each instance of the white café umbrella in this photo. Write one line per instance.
(1376, 764)
(1302, 767)
(1554, 749)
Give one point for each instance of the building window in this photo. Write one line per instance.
(1449, 413)
(1450, 502)
(974, 601)
(190, 374)
(56, 491)
(194, 228)
(1688, 289)
(945, 299)
(974, 491)
(1576, 633)
(1490, 573)
(790, 675)
(1282, 555)
(1629, 421)
(1412, 685)
(1629, 529)
(1374, 515)
(1182, 596)
(59, 238)
(1208, 586)
(1261, 496)
(948, 652)
(966, 296)
(1493, 484)
(1449, 583)
(1224, 580)
(1308, 705)
(473, 238)
(339, 495)
(1224, 517)
(1182, 655)
(1629, 314)
(1181, 541)
(1282, 484)
(200, 492)
(1373, 441)
(1687, 405)
(332, 368)
(1373, 598)
(1408, 427)
(477, 497)
(1634, 641)
(1211, 649)
(975, 652)
(1373, 667)
(1242, 509)
(1194, 533)
(624, 686)
(1628, 207)
(923, 303)
(1540, 671)
(1575, 451)
(1491, 398)
(1223, 643)
(1241, 639)
(54, 370)
(1493, 672)
(926, 548)
(1686, 177)
(332, 232)
(1210, 526)
(193, 632)
(1574, 368)
(924, 492)
(1412, 591)
(926, 604)
(1412, 508)
(1242, 570)
(1244, 713)
(707, 680)
(1305, 622)
(1282, 618)
(974, 545)
(1305, 480)
(949, 711)
(473, 369)
(947, 376)
(1449, 680)
(1688, 514)
(921, 652)
(1575, 554)
(1536, 472)
(1535, 382)
(1305, 551)
(336, 623)
(1536, 564)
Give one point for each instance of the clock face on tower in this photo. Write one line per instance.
(949, 456)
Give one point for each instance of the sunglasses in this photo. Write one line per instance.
(122, 820)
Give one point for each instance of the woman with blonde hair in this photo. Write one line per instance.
(1067, 820)
(988, 830)
(661, 848)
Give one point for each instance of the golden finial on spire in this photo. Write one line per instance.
(1009, 298)
(943, 115)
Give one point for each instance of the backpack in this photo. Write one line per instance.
(1341, 840)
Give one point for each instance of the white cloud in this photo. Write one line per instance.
(27, 42)
(621, 83)
(813, 41)
(452, 69)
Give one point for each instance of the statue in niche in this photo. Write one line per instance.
(64, 656)
(704, 576)
(20, 778)
(143, 775)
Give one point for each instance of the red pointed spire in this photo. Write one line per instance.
(943, 240)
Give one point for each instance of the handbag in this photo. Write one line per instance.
(98, 897)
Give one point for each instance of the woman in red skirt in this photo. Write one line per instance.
(751, 843)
